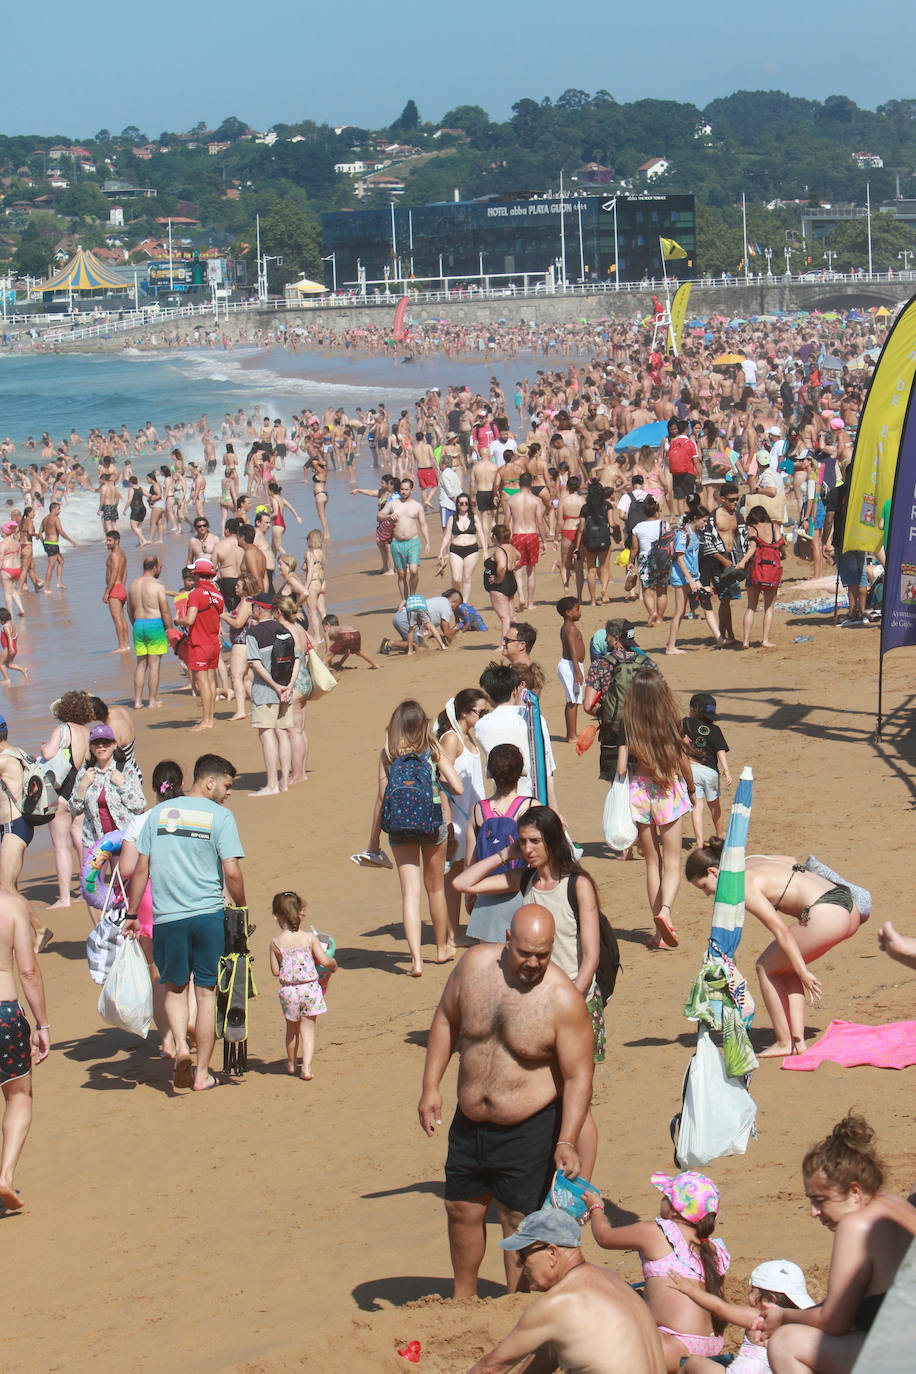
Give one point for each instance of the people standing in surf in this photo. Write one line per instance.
(319, 467)
(11, 566)
(115, 594)
(51, 533)
(156, 509)
(277, 503)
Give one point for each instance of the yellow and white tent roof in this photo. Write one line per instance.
(84, 272)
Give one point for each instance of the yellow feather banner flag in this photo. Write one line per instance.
(877, 448)
(672, 249)
(678, 316)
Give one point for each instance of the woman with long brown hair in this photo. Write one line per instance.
(661, 791)
(418, 853)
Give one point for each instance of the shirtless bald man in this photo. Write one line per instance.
(589, 1320)
(524, 1029)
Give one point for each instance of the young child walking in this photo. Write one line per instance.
(779, 1282)
(571, 667)
(677, 1242)
(296, 957)
(707, 748)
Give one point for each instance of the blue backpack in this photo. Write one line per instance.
(411, 806)
(498, 832)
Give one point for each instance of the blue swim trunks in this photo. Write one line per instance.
(150, 637)
(405, 553)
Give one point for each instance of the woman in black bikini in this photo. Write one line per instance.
(775, 885)
(318, 464)
(872, 1229)
(463, 537)
(499, 578)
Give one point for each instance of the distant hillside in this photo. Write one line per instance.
(766, 144)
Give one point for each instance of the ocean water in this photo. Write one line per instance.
(66, 640)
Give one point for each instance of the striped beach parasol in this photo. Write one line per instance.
(728, 907)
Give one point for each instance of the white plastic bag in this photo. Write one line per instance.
(617, 825)
(126, 999)
(718, 1111)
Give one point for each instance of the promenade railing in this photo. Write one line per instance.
(80, 327)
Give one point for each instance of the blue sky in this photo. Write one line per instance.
(169, 64)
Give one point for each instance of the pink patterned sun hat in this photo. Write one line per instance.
(693, 1196)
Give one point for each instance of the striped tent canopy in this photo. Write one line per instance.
(728, 906)
(84, 272)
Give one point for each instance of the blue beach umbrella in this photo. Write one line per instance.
(653, 433)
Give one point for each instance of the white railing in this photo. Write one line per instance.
(154, 317)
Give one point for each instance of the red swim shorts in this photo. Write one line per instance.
(201, 660)
(529, 548)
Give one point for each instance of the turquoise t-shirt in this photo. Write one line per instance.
(187, 840)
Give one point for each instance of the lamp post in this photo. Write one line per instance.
(868, 215)
(562, 237)
(788, 252)
(905, 255)
(332, 259)
(768, 253)
(266, 260)
(829, 255)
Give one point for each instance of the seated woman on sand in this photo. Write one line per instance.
(826, 914)
(844, 1181)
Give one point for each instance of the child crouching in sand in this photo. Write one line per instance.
(676, 1242)
(343, 640)
(295, 958)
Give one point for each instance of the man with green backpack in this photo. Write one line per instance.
(606, 686)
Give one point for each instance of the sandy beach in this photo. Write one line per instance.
(273, 1223)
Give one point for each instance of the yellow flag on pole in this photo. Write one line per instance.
(874, 460)
(678, 316)
(672, 249)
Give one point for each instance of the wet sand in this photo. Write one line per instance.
(273, 1224)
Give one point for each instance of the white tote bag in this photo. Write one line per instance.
(718, 1112)
(617, 826)
(126, 999)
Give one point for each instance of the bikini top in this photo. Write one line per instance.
(682, 1259)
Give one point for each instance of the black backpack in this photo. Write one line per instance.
(608, 949)
(283, 657)
(596, 532)
(635, 513)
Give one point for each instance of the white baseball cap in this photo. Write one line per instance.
(782, 1276)
(775, 431)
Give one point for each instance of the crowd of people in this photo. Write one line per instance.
(751, 461)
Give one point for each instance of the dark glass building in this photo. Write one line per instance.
(513, 235)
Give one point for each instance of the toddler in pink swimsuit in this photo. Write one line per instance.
(296, 957)
(677, 1242)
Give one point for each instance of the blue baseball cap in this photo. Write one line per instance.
(549, 1225)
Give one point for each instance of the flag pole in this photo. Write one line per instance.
(744, 221)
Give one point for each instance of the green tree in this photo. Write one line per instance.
(84, 200)
(231, 130)
(289, 232)
(889, 236)
(36, 245)
(408, 119)
(473, 119)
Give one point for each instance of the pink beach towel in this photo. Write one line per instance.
(844, 1042)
